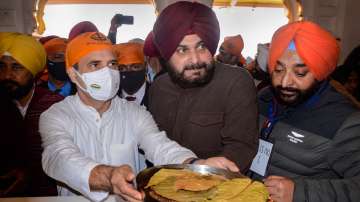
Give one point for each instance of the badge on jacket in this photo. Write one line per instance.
(261, 161)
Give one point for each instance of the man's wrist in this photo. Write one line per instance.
(100, 178)
(113, 29)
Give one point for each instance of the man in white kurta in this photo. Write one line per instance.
(76, 139)
(104, 133)
(91, 139)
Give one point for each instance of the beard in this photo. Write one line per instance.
(292, 96)
(179, 77)
(15, 90)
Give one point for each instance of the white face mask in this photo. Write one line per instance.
(102, 84)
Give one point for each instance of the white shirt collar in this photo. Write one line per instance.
(90, 109)
(23, 109)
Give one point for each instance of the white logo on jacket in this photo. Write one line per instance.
(295, 137)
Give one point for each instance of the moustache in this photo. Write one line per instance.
(9, 83)
(195, 66)
(289, 89)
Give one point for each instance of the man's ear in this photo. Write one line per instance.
(74, 77)
(71, 73)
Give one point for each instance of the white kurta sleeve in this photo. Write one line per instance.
(158, 148)
(61, 158)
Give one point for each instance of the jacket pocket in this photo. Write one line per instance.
(204, 126)
(204, 119)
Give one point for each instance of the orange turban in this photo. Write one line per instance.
(84, 44)
(55, 45)
(315, 46)
(129, 53)
(234, 45)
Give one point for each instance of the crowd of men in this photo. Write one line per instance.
(84, 115)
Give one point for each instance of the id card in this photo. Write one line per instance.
(261, 160)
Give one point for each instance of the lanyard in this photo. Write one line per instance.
(270, 121)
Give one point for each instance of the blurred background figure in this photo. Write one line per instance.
(258, 67)
(155, 63)
(230, 51)
(346, 78)
(81, 27)
(45, 39)
(43, 76)
(352, 83)
(132, 66)
(116, 22)
(113, 30)
(137, 40)
(58, 80)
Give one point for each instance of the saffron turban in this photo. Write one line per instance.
(25, 49)
(82, 27)
(84, 44)
(55, 45)
(318, 49)
(234, 45)
(129, 53)
(181, 19)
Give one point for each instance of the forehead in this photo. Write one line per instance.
(290, 56)
(8, 59)
(101, 55)
(191, 39)
(56, 52)
(132, 64)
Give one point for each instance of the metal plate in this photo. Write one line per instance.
(144, 176)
